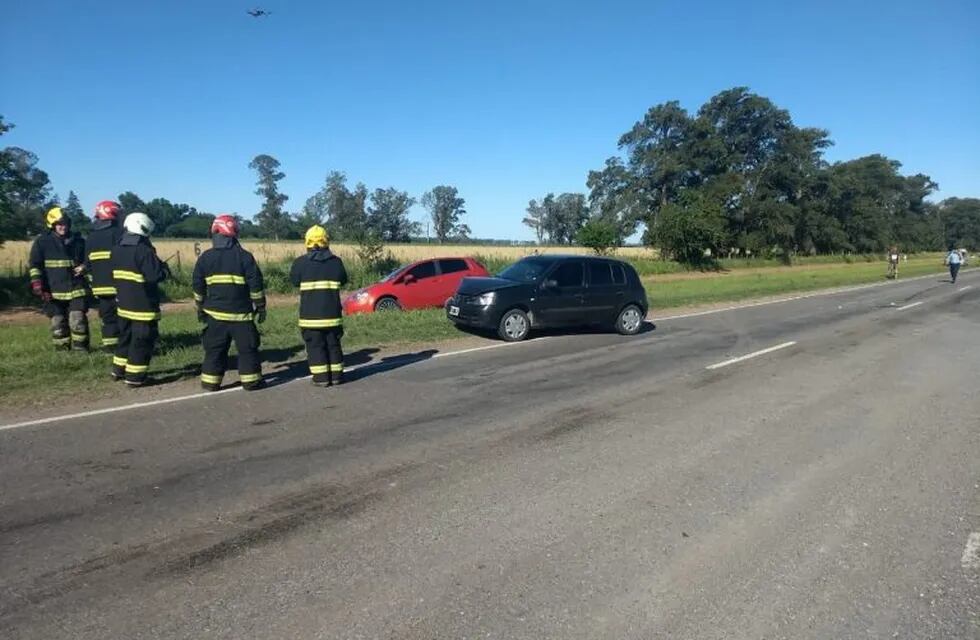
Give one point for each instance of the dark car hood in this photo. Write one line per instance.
(475, 286)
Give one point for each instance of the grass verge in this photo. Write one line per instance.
(30, 371)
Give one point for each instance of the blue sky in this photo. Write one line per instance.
(505, 100)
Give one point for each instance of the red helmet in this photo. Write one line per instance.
(107, 210)
(225, 225)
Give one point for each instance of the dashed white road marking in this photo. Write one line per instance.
(965, 288)
(489, 346)
(909, 306)
(754, 354)
(971, 554)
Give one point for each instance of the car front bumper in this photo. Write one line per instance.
(471, 315)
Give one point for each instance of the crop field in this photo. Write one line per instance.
(13, 255)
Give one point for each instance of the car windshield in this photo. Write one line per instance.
(391, 276)
(527, 270)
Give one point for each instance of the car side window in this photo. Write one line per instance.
(452, 265)
(619, 276)
(600, 275)
(569, 274)
(424, 270)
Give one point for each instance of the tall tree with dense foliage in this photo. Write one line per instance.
(25, 192)
(80, 222)
(961, 222)
(339, 208)
(387, 216)
(446, 208)
(272, 219)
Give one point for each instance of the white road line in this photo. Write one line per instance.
(965, 288)
(754, 354)
(909, 306)
(490, 346)
(971, 555)
(205, 394)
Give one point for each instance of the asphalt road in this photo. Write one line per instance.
(575, 486)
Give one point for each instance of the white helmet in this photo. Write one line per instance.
(138, 223)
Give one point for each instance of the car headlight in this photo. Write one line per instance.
(486, 299)
(359, 296)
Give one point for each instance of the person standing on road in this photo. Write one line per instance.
(57, 272)
(319, 275)
(136, 274)
(105, 235)
(229, 294)
(953, 260)
(893, 262)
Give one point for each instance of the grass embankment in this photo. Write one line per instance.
(29, 368)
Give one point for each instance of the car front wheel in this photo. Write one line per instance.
(630, 320)
(514, 326)
(387, 304)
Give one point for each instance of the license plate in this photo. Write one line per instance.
(454, 310)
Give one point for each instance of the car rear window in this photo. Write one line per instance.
(569, 274)
(600, 274)
(452, 265)
(619, 276)
(424, 270)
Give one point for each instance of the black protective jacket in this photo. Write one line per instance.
(104, 236)
(137, 273)
(228, 282)
(319, 275)
(53, 261)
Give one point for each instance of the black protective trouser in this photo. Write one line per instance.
(69, 324)
(325, 355)
(134, 350)
(217, 339)
(110, 321)
(953, 270)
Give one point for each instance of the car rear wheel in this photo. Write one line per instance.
(630, 320)
(514, 326)
(387, 304)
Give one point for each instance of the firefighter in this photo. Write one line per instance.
(57, 271)
(319, 275)
(229, 294)
(105, 234)
(136, 274)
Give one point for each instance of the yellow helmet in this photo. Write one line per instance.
(53, 216)
(317, 236)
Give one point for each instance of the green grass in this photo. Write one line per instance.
(31, 372)
(678, 293)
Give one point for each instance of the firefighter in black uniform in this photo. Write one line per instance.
(319, 275)
(229, 293)
(57, 271)
(136, 274)
(105, 234)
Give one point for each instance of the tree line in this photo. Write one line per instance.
(739, 177)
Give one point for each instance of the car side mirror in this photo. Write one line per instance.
(408, 279)
(549, 284)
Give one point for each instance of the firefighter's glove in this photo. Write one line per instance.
(260, 315)
(37, 288)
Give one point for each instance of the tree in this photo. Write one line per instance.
(690, 228)
(602, 236)
(130, 202)
(535, 219)
(272, 219)
(446, 208)
(339, 208)
(962, 222)
(25, 193)
(615, 198)
(195, 225)
(73, 210)
(387, 217)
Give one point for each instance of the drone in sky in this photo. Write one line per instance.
(258, 13)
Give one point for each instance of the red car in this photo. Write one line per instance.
(427, 283)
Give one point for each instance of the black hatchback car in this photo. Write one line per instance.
(552, 291)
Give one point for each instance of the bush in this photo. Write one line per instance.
(686, 231)
(599, 235)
